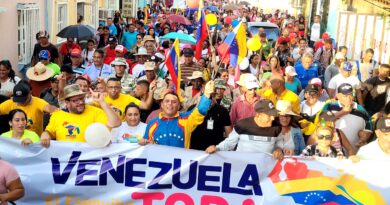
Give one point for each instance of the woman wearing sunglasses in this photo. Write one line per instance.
(324, 136)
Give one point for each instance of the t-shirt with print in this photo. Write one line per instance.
(376, 96)
(249, 137)
(70, 127)
(7, 174)
(34, 112)
(51, 48)
(126, 133)
(119, 104)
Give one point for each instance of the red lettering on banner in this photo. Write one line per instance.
(187, 200)
(248, 202)
(214, 200)
(148, 198)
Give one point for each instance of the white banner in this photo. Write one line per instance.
(124, 174)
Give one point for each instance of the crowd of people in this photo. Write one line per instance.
(299, 95)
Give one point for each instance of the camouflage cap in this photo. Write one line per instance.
(219, 83)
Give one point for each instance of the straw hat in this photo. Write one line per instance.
(148, 38)
(284, 108)
(39, 72)
(72, 90)
(196, 75)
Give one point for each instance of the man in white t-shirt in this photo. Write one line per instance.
(315, 30)
(345, 77)
(132, 129)
(380, 148)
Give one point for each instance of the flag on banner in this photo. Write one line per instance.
(201, 34)
(233, 49)
(173, 64)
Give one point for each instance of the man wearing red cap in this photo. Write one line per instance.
(66, 49)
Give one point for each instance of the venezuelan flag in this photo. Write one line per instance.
(201, 34)
(233, 49)
(173, 64)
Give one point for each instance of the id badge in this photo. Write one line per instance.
(210, 124)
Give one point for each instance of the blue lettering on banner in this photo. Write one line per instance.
(204, 177)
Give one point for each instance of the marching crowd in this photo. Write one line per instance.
(299, 94)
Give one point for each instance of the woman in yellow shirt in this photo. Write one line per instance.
(18, 123)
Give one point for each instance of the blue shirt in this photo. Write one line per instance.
(129, 39)
(305, 75)
(294, 85)
(113, 30)
(93, 72)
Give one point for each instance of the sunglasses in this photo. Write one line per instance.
(326, 137)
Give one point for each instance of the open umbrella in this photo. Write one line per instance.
(244, 3)
(212, 8)
(230, 7)
(76, 31)
(183, 38)
(179, 19)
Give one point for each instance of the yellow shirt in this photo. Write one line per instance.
(70, 127)
(26, 135)
(119, 104)
(286, 95)
(34, 112)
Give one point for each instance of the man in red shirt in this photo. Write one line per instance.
(65, 50)
(110, 50)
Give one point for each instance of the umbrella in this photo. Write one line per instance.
(179, 19)
(183, 38)
(212, 8)
(76, 31)
(230, 7)
(244, 3)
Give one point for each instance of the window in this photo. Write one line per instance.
(80, 10)
(62, 19)
(28, 26)
(94, 13)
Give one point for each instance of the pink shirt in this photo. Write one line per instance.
(7, 174)
(242, 109)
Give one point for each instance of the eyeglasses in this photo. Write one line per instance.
(326, 137)
(76, 101)
(139, 38)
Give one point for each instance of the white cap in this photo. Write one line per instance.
(290, 71)
(250, 82)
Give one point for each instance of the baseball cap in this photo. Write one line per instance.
(112, 39)
(187, 52)
(21, 92)
(219, 83)
(312, 88)
(290, 71)
(44, 55)
(75, 52)
(316, 81)
(250, 82)
(149, 65)
(347, 66)
(120, 49)
(67, 68)
(325, 36)
(383, 124)
(345, 89)
(328, 116)
(339, 55)
(267, 107)
(43, 34)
